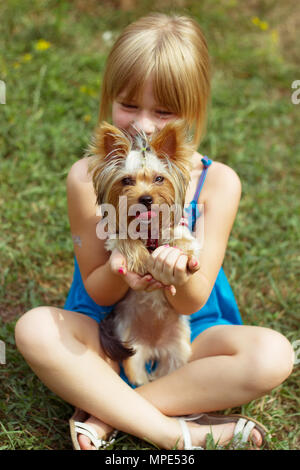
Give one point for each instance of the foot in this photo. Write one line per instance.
(222, 434)
(103, 430)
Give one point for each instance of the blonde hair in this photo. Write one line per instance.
(173, 50)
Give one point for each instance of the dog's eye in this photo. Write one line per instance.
(127, 181)
(159, 179)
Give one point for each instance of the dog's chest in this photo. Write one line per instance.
(147, 318)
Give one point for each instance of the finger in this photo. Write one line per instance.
(193, 264)
(160, 253)
(118, 262)
(147, 278)
(154, 286)
(170, 262)
(156, 260)
(180, 270)
(150, 284)
(137, 282)
(132, 279)
(159, 250)
(172, 289)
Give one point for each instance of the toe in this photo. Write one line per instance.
(256, 437)
(102, 430)
(85, 443)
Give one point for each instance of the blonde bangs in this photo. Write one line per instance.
(182, 73)
(173, 51)
(128, 67)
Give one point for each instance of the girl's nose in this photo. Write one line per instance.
(145, 124)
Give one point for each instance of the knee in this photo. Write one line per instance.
(270, 360)
(34, 332)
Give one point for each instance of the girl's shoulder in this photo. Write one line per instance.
(79, 171)
(80, 190)
(220, 179)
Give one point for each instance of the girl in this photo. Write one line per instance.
(157, 71)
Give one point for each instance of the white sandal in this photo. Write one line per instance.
(78, 426)
(242, 430)
(187, 436)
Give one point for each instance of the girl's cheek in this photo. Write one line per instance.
(122, 118)
(119, 119)
(160, 123)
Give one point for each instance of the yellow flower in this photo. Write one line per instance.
(255, 20)
(264, 25)
(26, 57)
(88, 91)
(87, 118)
(42, 45)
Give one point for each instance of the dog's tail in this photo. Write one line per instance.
(113, 347)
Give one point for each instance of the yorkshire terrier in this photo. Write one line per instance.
(150, 173)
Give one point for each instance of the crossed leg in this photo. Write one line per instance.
(230, 366)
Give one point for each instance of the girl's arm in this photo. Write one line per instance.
(220, 196)
(103, 285)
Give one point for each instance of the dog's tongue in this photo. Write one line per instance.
(146, 215)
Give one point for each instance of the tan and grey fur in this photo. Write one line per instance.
(143, 325)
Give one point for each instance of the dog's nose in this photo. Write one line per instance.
(146, 200)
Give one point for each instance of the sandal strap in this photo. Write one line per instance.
(242, 430)
(187, 436)
(88, 431)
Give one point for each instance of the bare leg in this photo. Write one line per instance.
(63, 349)
(230, 366)
(242, 362)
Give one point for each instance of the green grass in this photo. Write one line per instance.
(51, 108)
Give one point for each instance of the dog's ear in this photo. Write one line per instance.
(109, 145)
(109, 141)
(172, 144)
(172, 141)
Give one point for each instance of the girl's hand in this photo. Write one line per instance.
(171, 266)
(134, 280)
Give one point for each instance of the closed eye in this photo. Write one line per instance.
(164, 113)
(128, 106)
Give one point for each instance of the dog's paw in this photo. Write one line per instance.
(138, 259)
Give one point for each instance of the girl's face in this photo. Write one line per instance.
(145, 114)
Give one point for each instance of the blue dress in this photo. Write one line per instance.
(220, 308)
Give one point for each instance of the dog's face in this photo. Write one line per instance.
(151, 173)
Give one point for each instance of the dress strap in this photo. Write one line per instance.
(192, 212)
(206, 163)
